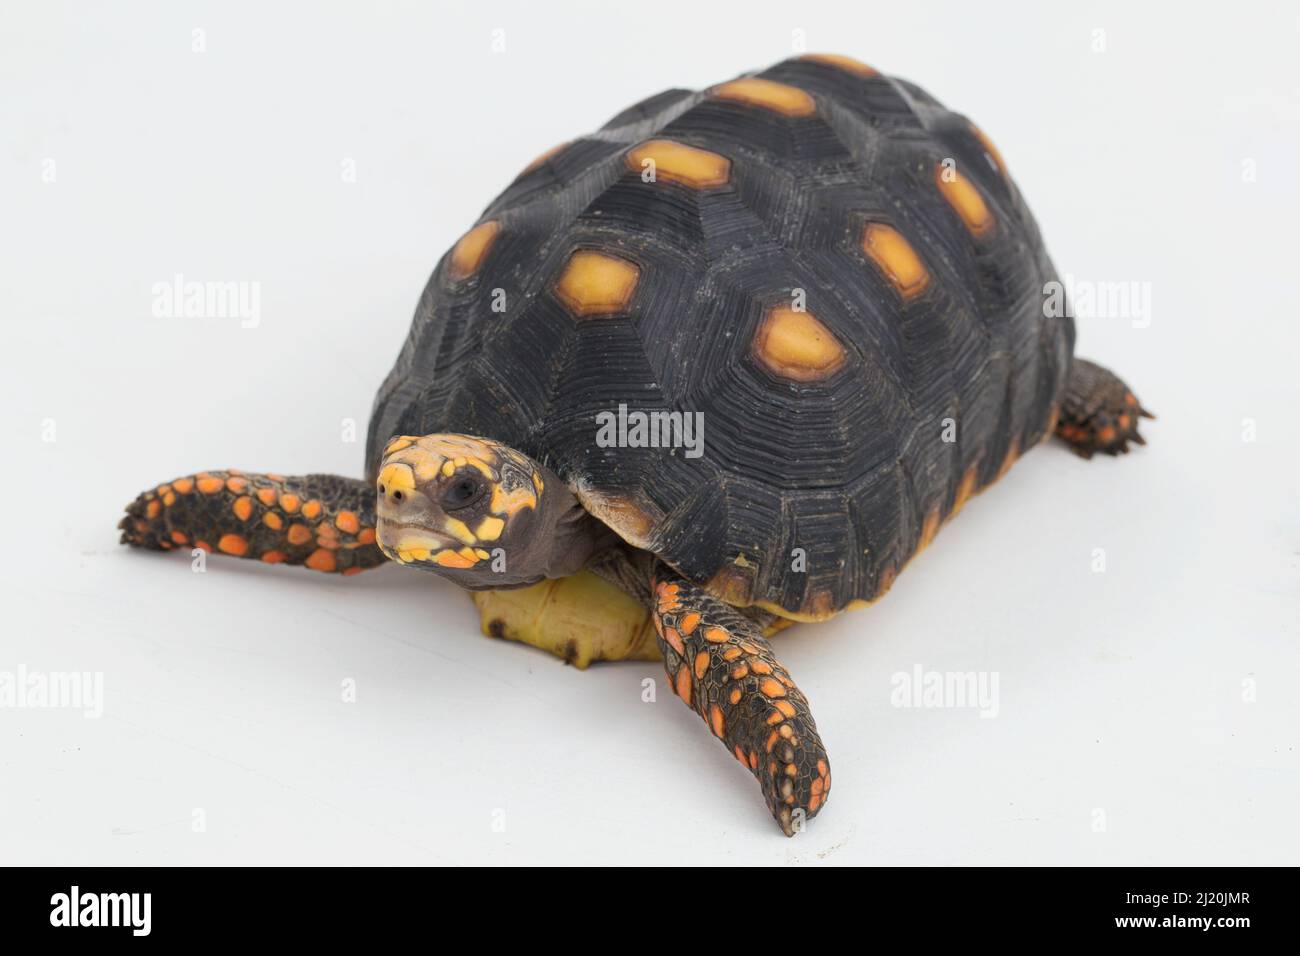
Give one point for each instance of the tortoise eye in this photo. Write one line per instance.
(462, 492)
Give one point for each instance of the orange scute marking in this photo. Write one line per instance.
(896, 259)
(839, 61)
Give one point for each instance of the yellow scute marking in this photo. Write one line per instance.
(472, 248)
(593, 283)
(679, 163)
(777, 97)
(965, 200)
(797, 346)
(895, 258)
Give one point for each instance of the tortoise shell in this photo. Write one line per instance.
(830, 267)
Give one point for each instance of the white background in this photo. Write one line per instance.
(1121, 693)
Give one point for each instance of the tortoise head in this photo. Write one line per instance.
(475, 511)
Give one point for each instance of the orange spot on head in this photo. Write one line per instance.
(233, 544)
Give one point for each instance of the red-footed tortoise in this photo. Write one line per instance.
(740, 353)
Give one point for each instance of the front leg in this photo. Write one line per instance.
(720, 664)
(324, 522)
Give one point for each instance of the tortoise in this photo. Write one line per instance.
(820, 263)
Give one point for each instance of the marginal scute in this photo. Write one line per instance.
(965, 200)
(469, 253)
(795, 345)
(594, 283)
(894, 256)
(679, 163)
(989, 148)
(777, 97)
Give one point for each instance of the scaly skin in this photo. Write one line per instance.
(324, 522)
(1099, 413)
(720, 664)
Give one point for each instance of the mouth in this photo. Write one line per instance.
(408, 543)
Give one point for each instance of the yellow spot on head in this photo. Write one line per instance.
(841, 62)
(679, 163)
(896, 259)
(797, 346)
(397, 476)
(468, 253)
(458, 530)
(777, 97)
(965, 200)
(596, 284)
(489, 529)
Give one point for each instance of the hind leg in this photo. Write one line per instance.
(1098, 411)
